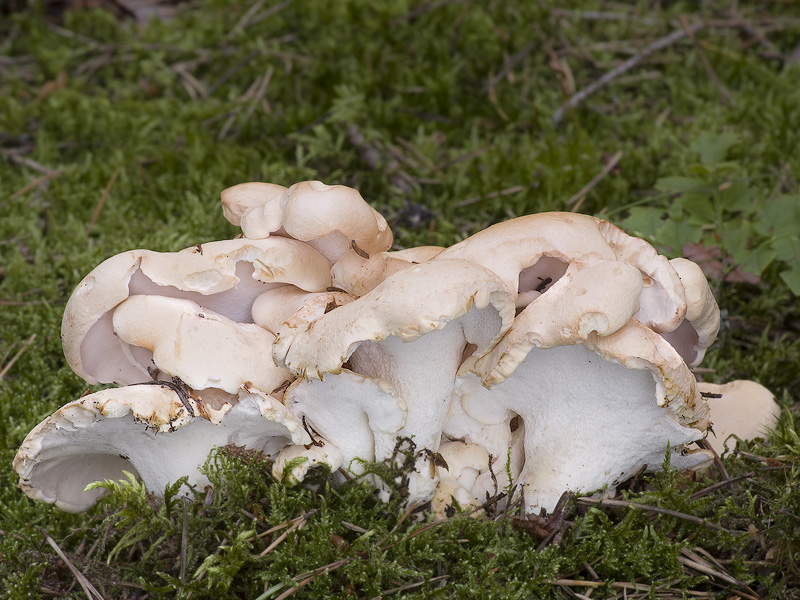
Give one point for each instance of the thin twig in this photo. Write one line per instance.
(709, 571)
(292, 590)
(88, 589)
(717, 460)
(297, 523)
(36, 183)
(242, 23)
(720, 484)
(602, 15)
(632, 62)
(410, 586)
(25, 161)
(249, 17)
(655, 509)
(262, 89)
(580, 195)
(421, 10)
(25, 346)
(230, 73)
(102, 202)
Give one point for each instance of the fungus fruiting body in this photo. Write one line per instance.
(547, 353)
(156, 432)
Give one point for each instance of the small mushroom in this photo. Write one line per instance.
(461, 464)
(358, 275)
(739, 409)
(490, 471)
(159, 433)
(274, 307)
(293, 462)
(253, 195)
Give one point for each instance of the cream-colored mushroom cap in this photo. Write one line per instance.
(327, 217)
(224, 277)
(245, 197)
(158, 433)
(357, 275)
(205, 350)
(700, 327)
(408, 305)
(600, 298)
(531, 253)
(274, 307)
(739, 409)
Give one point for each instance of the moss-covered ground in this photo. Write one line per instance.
(120, 133)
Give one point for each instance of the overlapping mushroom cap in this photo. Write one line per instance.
(332, 219)
(550, 351)
(219, 277)
(410, 332)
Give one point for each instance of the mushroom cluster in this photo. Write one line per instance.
(551, 352)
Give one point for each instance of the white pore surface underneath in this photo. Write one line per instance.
(422, 373)
(352, 412)
(588, 422)
(73, 457)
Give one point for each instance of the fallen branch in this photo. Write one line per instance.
(632, 62)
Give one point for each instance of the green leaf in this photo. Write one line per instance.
(674, 235)
(643, 221)
(755, 260)
(788, 250)
(792, 279)
(737, 196)
(780, 216)
(735, 237)
(700, 208)
(713, 148)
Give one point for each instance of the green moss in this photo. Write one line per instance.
(98, 99)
